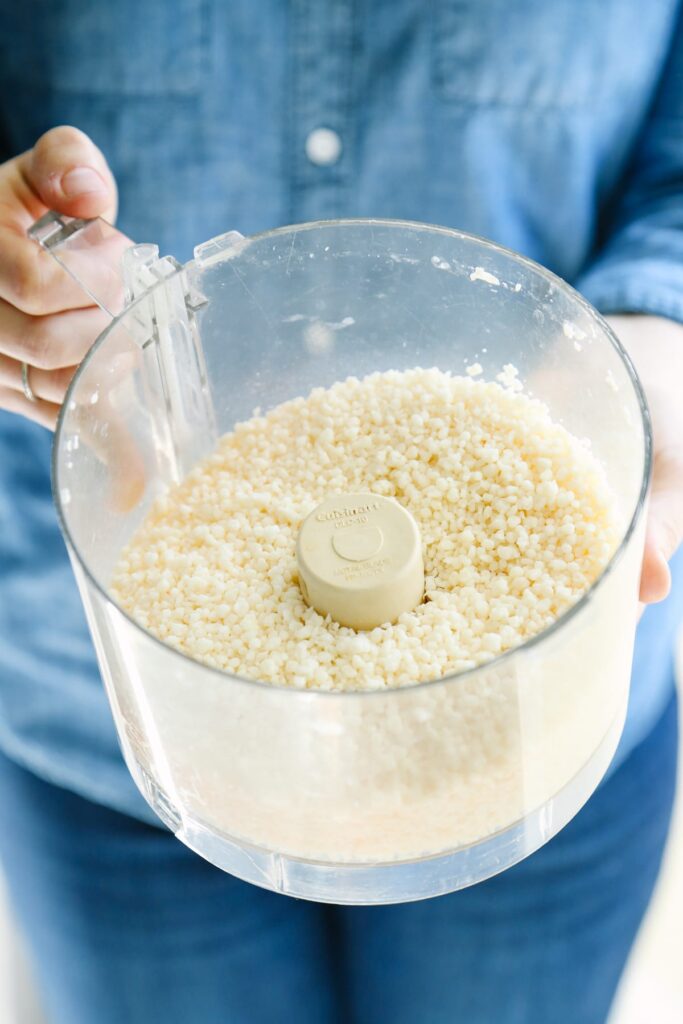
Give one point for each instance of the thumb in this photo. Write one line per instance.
(664, 530)
(68, 173)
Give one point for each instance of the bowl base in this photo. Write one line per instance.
(390, 881)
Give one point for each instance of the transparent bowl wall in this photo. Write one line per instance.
(364, 797)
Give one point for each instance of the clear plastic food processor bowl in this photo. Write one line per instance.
(371, 797)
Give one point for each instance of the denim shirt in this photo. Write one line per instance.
(552, 126)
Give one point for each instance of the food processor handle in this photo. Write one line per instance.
(114, 272)
(103, 261)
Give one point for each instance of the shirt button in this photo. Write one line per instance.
(323, 147)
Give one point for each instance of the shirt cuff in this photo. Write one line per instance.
(647, 286)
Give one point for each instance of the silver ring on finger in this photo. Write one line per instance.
(29, 393)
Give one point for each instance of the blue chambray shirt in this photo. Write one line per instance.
(552, 126)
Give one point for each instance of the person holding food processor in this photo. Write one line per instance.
(542, 126)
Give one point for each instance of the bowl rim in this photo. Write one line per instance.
(506, 656)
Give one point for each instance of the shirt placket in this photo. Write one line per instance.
(319, 141)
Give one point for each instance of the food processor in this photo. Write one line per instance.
(356, 797)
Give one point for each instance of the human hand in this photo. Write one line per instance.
(656, 348)
(46, 320)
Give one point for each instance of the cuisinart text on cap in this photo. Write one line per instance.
(345, 513)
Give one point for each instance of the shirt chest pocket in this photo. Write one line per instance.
(528, 53)
(106, 47)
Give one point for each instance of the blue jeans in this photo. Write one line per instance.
(126, 926)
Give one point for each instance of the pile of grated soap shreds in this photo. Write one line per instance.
(516, 518)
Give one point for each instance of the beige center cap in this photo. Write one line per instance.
(360, 560)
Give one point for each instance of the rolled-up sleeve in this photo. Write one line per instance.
(638, 266)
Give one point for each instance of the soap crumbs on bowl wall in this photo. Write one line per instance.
(334, 325)
(440, 264)
(570, 330)
(396, 258)
(235, 602)
(479, 274)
